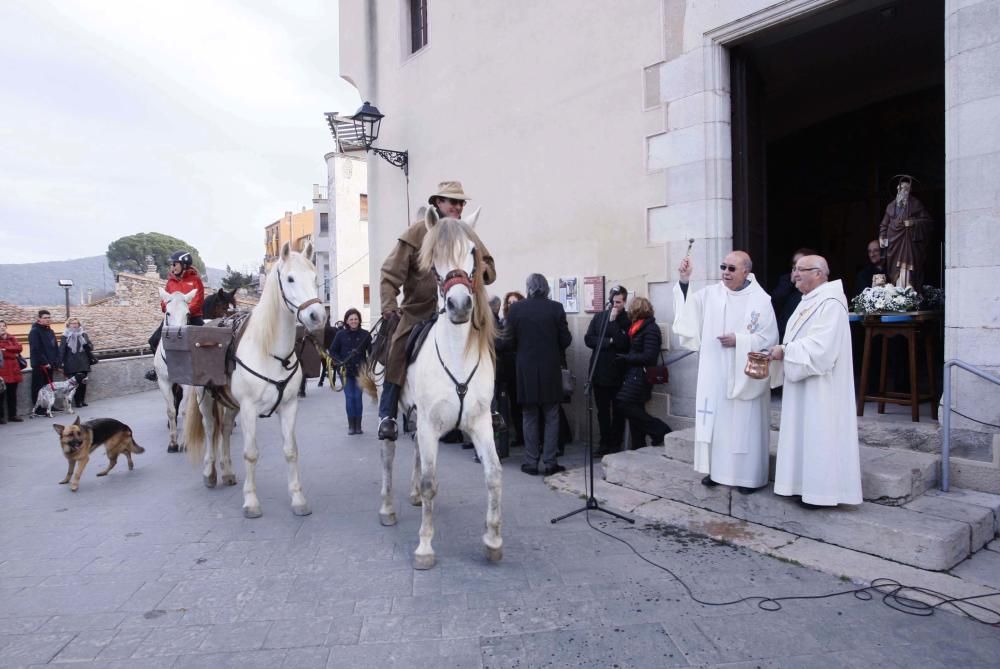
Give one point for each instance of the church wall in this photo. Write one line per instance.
(597, 137)
(972, 204)
(347, 182)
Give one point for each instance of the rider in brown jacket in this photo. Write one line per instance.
(401, 271)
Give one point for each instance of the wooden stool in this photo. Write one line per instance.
(911, 330)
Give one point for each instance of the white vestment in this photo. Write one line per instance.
(731, 409)
(818, 455)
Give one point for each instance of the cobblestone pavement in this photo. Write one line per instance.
(151, 569)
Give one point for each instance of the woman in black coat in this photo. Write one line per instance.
(77, 354)
(644, 351)
(538, 332)
(349, 350)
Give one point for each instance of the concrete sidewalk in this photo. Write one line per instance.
(151, 569)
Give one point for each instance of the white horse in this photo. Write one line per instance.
(265, 380)
(451, 382)
(175, 315)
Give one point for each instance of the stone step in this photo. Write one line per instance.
(888, 476)
(925, 540)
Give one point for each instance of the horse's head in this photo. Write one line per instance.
(296, 277)
(220, 303)
(448, 251)
(177, 311)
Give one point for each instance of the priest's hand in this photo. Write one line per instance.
(727, 340)
(684, 270)
(777, 352)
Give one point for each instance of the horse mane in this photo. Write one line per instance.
(456, 235)
(262, 323)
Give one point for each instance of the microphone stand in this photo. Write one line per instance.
(592, 503)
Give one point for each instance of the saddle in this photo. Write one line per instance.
(418, 335)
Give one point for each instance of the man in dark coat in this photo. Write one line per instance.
(537, 330)
(609, 370)
(872, 267)
(44, 353)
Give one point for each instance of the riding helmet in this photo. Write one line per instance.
(183, 257)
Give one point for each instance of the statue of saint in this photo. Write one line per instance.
(903, 234)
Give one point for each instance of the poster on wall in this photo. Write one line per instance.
(593, 294)
(569, 294)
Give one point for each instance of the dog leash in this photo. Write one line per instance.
(48, 377)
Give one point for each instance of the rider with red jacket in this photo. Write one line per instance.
(183, 278)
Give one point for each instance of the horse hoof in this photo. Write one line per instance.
(301, 509)
(172, 448)
(74, 487)
(209, 481)
(494, 554)
(229, 479)
(387, 519)
(416, 501)
(251, 512)
(423, 562)
(102, 473)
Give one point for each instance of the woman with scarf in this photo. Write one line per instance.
(349, 349)
(77, 355)
(644, 350)
(10, 374)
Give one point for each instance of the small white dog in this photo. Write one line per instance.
(59, 390)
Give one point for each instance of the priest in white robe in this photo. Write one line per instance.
(724, 322)
(818, 454)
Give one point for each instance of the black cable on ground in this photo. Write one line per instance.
(893, 594)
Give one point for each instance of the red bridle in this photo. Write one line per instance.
(456, 277)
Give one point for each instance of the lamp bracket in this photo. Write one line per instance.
(400, 159)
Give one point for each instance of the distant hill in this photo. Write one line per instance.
(37, 283)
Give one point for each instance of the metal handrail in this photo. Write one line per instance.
(946, 400)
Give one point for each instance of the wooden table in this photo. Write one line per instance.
(913, 326)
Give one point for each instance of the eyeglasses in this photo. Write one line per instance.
(453, 201)
(724, 267)
(803, 269)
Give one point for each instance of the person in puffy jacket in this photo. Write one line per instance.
(644, 351)
(349, 350)
(10, 373)
(77, 355)
(182, 278)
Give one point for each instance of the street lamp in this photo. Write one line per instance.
(66, 284)
(367, 121)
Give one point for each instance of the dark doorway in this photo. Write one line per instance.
(826, 111)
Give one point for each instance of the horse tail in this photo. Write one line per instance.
(366, 379)
(194, 429)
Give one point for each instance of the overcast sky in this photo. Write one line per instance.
(202, 119)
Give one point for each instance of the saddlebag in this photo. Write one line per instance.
(308, 355)
(196, 354)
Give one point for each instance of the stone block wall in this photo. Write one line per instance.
(138, 291)
(109, 378)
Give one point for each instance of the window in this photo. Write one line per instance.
(324, 223)
(364, 207)
(366, 290)
(418, 25)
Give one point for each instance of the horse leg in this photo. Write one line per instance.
(423, 557)
(482, 437)
(210, 421)
(287, 413)
(387, 512)
(248, 423)
(168, 396)
(415, 476)
(225, 456)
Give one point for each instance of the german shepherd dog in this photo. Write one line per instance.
(79, 441)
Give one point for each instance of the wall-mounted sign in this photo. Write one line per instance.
(593, 294)
(569, 294)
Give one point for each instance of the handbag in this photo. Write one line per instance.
(568, 385)
(21, 362)
(657, 374)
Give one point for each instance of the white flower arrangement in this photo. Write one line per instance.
(885, 298)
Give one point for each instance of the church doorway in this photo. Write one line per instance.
(826, 110)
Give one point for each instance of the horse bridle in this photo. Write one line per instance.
(456, 277)
(296, 310)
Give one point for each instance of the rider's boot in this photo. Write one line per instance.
(387, 427)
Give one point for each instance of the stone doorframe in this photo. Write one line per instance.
(719, 109)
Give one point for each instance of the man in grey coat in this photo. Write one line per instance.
(537, 330)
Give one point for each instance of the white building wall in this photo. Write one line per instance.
(347, 180)
(596, 136)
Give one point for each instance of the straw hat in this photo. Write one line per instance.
(452, 189)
